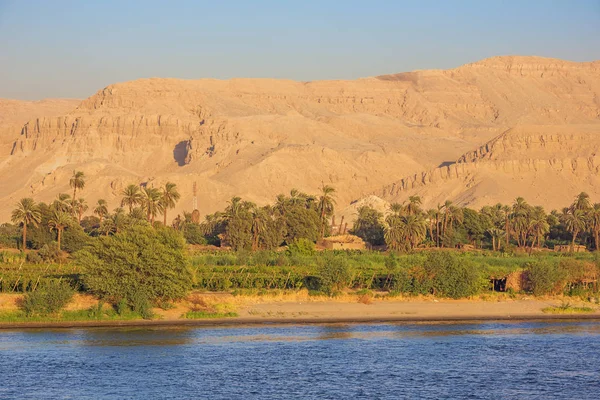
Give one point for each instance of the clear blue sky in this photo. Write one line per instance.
(57, 48)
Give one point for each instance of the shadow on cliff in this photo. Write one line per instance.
(180, 152)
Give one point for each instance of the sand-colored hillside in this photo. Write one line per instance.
(258, 137)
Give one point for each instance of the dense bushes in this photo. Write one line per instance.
(49, 300)
(333, 273)
(451, 276)
(139, 263)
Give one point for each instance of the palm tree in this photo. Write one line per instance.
(397, 209)
(27, 212)
(63, 203)
(414, 205)
(77, 182)
(80, 207)
(506, 212)
(101, 209)
(594, 222)
(394, 232)
(152, 203)
(259, 224)
(539, 226)
(432, 217)
(582, 202)
(575, 222)
(325, 206)
(132, 196)
(58, 221)
(496, 235)
(170, 197)
(415, 229)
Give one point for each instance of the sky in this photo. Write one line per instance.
(72, 49)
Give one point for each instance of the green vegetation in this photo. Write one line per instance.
(54, 297)
(567, 308)
(131, 259)
(140, 266)
(207, 315)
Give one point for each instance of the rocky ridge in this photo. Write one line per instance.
(261, 137)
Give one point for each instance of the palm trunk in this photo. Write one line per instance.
(573, 241)
(507, 230)
(493, 243)
(59, 236)
(596, 234)
(165, 216)
(24, 236)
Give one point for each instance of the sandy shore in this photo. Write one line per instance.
(317, 312)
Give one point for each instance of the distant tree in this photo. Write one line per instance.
(101, 209)
(325, 207)
(152, 203)
(59, 221)
(575, 222)
(80, 207)
(170, 197)
(594, 223)
(77, 182)
(132, 197)
(368, 225)
(26, 213)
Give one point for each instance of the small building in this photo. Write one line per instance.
(566, 248)
(342, 242)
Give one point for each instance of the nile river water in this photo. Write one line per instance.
(526, 360)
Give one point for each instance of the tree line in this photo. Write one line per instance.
(499, 227)
(301, 217)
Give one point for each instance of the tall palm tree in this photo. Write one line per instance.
(170, 197)
(414, 205)
(594, 223)
(234, 207)
(80, 207)
(582, 202)
(77, 182)
(259, 225)
(152, 203)
(132, 196)
(325, 207)
(575, 222)
(415, 229)
(101, 209)
(26, 213)
(539, 226)
(397, 209)
(506, 212)
(63, 203)
(59, 220)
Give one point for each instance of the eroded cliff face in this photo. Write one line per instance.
(258, 137)
(547, 163)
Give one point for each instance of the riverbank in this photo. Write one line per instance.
(299, 308)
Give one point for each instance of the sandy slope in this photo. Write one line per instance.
(260, 137)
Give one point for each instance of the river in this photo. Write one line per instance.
(543, 360)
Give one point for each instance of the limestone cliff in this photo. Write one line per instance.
(259, 137)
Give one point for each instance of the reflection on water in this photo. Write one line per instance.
(451, 360)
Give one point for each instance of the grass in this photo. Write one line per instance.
(208, 314)
(567, 308)
(91, 314)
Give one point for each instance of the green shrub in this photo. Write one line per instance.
(193, 234)
(33, 257)
(136, 263)
(301, 247)
(334, 274)
(451, 276)
(53, 298)
(546, 277)
(74, 239)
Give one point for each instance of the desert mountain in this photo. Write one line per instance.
(480, 133)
